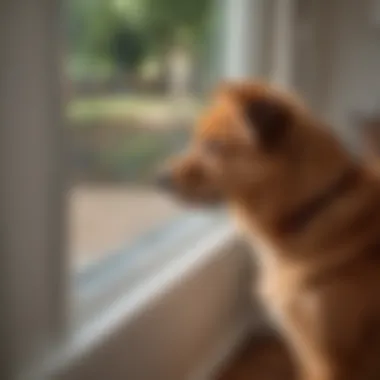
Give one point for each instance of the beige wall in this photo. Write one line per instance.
(344, 76)
(356, 57)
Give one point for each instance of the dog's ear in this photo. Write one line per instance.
(266, 113)
(268, 118)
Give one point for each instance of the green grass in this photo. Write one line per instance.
(129, 154)
(137, 157)
(118, 107)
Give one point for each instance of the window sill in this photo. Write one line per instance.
(178, 324)
(122, 274)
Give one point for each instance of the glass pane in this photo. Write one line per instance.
(135, 71)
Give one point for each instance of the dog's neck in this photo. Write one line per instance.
(279, 240)
(282, 218)
(298, 219)
(284, 213)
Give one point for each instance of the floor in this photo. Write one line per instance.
(263, 358)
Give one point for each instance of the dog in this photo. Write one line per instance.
(312, 214)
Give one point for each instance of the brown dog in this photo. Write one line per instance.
(311, 211)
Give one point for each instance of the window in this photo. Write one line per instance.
(135, 72)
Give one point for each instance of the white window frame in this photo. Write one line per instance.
(183, 320)
(32, 268)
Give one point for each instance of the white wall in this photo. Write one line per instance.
(336, 66)
(354, 80)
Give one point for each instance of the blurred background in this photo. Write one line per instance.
(135, 72)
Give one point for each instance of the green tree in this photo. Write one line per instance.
(122, 32)
(126, 48)
(90, 23)
(166, 21)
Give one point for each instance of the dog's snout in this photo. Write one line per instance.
(164, 180)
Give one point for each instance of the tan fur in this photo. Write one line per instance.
(319, 280)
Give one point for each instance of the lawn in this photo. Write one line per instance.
(85, 109)
(124, 137)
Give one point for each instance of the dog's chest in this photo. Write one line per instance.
(279, 287)
(279, 284)
(269, 289)
(288, 305)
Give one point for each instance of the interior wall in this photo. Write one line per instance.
(351, 78)
(355, 83)
(338, 61)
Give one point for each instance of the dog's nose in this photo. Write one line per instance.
(164, 180)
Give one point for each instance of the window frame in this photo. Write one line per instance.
(34, 298)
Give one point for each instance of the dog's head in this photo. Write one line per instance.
(238, 146)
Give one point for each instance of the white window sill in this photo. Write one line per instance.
(179, 324)
(132, 267)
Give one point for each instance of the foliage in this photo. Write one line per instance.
(167, 21)
(97, 30)
(126, 48)
(123, 32)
